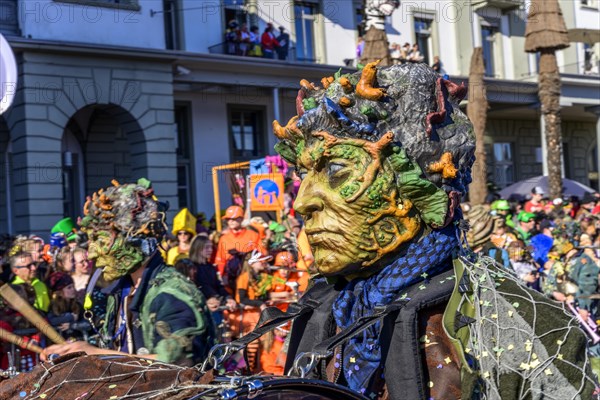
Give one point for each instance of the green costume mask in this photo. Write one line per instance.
(124, 224)
(376, 174)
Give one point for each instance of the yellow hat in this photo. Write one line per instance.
(184, 221)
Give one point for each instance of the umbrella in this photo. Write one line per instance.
(523, 188)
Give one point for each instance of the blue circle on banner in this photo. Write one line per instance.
(266, 192)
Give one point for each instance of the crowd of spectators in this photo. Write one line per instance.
(552, 246)
(243, 41)
(249, 265)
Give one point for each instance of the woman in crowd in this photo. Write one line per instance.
(65, 310)
(64, 260)
(81, 271)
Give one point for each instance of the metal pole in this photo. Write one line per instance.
(276, 110)
(215, 179)
(596, 111)
(598, 146)
(248, 198)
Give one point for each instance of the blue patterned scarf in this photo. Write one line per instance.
(362, 354)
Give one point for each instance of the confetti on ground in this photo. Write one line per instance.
(447, 360)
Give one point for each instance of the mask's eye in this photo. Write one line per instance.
(337, 173)
(301, 173)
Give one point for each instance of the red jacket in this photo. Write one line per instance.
(268, 41)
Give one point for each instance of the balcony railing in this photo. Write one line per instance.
(234, 49)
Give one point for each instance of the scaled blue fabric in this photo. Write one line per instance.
(362, 354)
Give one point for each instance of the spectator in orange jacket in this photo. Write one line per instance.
(235, 238)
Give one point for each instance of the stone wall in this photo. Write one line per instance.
(53, 88)
(526, 139)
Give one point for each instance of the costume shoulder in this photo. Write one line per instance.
(515, 342)
(165, 338)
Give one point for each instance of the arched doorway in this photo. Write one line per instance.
(100, 143)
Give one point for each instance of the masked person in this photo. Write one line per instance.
(153, 310)
(400, 307)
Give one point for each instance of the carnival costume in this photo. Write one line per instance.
(393, 144)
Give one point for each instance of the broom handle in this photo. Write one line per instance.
(19, 341)
(23, 307)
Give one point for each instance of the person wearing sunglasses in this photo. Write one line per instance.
(24, 270)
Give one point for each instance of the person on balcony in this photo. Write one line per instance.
(245, 42)
(284, 44)
(269, 42)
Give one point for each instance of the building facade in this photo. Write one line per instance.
(123, 89)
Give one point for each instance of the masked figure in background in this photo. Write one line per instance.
(153, 310)
(400, 307)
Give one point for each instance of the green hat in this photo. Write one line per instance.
(500, 205)
(67, 227)
(276, 227)
(525, 216)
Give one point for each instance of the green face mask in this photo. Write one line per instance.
(354, 213)
(111, 252)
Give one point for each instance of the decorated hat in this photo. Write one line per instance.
(538, 190)
(233, 212)
(59, 281)
(257, 256)
(284, 259)
(277, 227)
(501, 204)
(525, 216)
(57, 239)
(67, 227)
(184, 221)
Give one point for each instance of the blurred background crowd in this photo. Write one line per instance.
(552, 245)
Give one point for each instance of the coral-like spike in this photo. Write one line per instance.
(445, 166)
(345, 102)
(365, 87)
(290, 131)
(326, 81)
(307, 85)
(346, 85)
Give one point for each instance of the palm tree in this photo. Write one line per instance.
(477, 112)
(546, 33)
